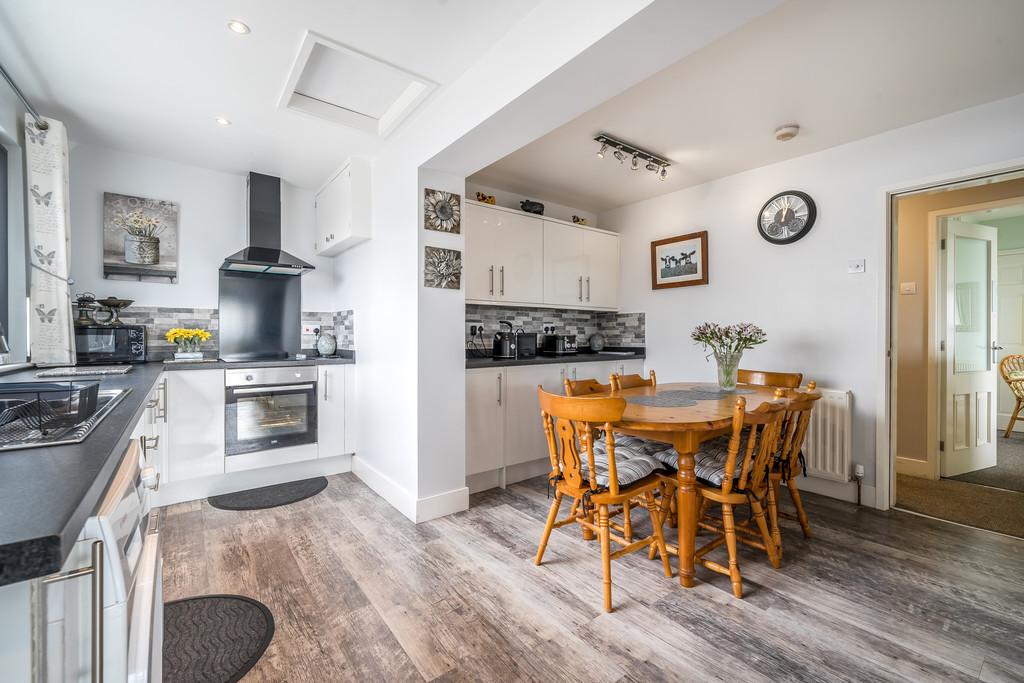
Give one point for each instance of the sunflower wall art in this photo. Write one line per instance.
(442, 211)
(442, 268)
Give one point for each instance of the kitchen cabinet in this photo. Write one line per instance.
(351, 411)
(524, 433)
(581, 267)
(485, 419)
(343, 209)
(504, 255)
(194, 413)
(330, 407)
(601, 276)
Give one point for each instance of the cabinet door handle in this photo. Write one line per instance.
(588, 288)
(147, 444)
(502, 281)
(161, 410)
(581, 288)
(492, 280)
(574, 374)
(499, 388)
(563, 375)
(95, 570)
(327, 374)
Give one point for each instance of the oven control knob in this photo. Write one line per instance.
(248, 378)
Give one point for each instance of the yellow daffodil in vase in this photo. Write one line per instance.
(187, 340)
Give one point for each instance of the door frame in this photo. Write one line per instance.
(886, 424)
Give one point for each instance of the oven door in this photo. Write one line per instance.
(267, 416)
(101, 345)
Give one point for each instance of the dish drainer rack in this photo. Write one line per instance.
(45, 406)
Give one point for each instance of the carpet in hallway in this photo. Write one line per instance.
(1009, 470)
(957, 501)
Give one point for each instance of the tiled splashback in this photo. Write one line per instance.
(159, 319)
(619, 329)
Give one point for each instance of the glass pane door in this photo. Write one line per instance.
(971, 305)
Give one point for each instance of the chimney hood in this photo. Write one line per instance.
(263, 221)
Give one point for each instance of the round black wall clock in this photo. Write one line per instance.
(786, 217)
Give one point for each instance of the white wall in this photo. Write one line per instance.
(820, 320)
(511, 200)
(211, 226)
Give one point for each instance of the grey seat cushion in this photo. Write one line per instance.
(708, 462)
(632, 462)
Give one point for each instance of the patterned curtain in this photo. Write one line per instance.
(51, 331)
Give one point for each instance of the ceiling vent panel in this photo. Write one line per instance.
(340, 84)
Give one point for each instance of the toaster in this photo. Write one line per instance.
(559, 344)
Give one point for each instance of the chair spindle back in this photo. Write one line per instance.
(620, 382)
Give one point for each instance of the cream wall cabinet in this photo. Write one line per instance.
(342, 207)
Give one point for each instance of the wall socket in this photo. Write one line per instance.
(308, 329)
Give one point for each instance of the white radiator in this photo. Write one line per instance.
(828, 444)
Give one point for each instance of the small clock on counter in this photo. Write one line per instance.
(786, 217)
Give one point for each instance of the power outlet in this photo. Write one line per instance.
(308, 329)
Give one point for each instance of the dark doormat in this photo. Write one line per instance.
(957, 501)
(214, 638)
(270, 496)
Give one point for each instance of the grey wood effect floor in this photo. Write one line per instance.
(360, 593)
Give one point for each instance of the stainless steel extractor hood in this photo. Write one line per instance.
(263, 218)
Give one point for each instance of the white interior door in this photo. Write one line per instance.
(971, 366)
(1011, 325)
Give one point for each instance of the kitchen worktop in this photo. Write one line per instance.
(47, 493)
(473, 363)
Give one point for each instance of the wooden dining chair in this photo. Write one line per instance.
(596, 475)
(630, 381)
(765, 378)
(585, 387)
(1011, 369)
(789, 462)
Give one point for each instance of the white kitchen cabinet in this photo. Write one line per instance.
(351, 411)
(330, 410)
(504, 255)
(564, 265)
(485, 419)
(524, 433)
(195, 423)
(343, 210)
(601, 277)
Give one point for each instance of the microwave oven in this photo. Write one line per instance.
(107, 344)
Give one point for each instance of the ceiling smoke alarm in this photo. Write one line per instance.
(784, 133)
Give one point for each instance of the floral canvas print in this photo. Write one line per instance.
(442, 211)
(442, 268)
(140, 238)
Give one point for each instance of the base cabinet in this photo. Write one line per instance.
(485, 419)
(330, 410)
(195, 423)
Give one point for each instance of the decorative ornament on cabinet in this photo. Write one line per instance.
(530, 206)
(486, 198)
(442, 211)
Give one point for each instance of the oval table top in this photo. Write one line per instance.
(702, 415)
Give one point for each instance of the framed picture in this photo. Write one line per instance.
(442, 268)
(680, 261)
(140, 238)
(442, 211)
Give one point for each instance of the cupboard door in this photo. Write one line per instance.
(480, 265)
(564, 265)
(485, 419)
(332, 209)
(351, 411)
(524, 433)
(599, 371)
(519, 258)
(330, 410)
(601, 281)
(195, 421)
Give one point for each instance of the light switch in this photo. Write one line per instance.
(908, 288)
(855, 265)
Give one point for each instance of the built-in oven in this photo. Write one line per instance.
(268, 408)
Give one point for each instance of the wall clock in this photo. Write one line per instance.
(786, 217)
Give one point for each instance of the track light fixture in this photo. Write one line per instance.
(652, 162)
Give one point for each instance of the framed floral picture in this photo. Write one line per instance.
(442, 268)
(140, 238)
(680, 261)
(442, 211)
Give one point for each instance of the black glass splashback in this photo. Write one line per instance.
(260, 316)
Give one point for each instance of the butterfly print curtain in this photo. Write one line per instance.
(51, 331)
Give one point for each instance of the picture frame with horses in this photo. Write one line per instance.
(680, 261)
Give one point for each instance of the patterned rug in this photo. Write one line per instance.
(683, 398)
(214, 638)
(270, 496)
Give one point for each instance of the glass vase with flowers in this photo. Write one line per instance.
(727, 344)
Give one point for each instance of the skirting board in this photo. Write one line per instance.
(417, 510)
(836, 489)
(218, 484)
(915, 468)
(513, 473)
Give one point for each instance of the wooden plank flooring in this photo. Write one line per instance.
(360, 593)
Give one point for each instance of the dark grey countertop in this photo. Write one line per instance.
(47, 493)
(474, 363)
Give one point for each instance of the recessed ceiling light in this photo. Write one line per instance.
(239, 27)
(222, 121)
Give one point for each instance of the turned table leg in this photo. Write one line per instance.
(687, 504)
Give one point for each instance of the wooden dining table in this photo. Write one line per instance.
(685, 427)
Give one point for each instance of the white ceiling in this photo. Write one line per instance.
(151, 77)
(995, 214)
(843, 70)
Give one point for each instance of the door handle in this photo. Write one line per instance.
(995, 350)
(574, 374)
(499, 388)
(161, 410)
(146, 444)
(95, 570)
(581, 288)
(502, 281)
(492, 280)
(588, 288)
(327, 374)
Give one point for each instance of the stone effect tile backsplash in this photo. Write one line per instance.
(619, 329)
(159, 319)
